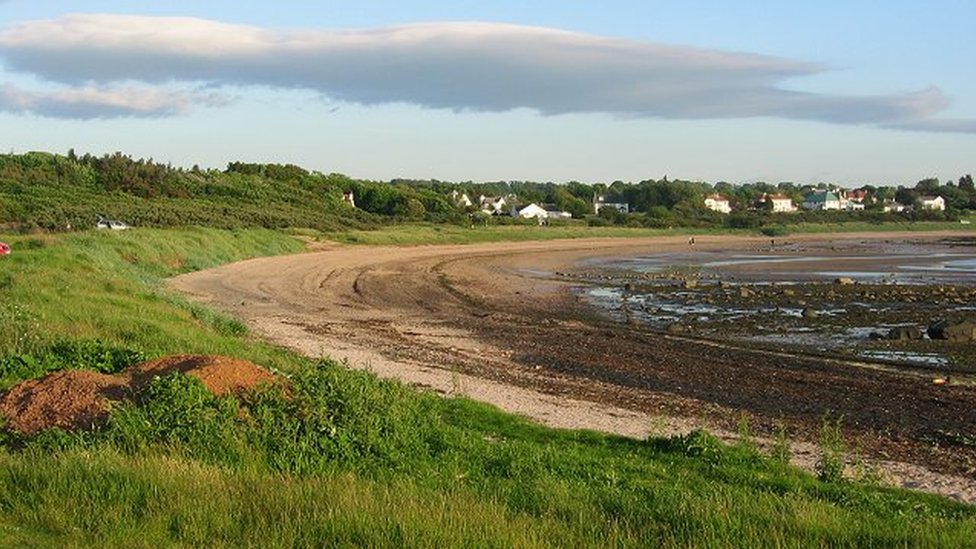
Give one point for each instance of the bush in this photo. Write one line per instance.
(775, 231)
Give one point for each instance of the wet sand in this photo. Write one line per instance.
(495, 323)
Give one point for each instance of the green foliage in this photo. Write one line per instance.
(178, 412)
(698, 444)
(54, 192)
(84, 354)
(775, 230)
(332, 417)
(20, 329)
(108, 286)
(830, 464)
(782, 449)
(744, 220)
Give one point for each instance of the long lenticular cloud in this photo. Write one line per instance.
(460, 66)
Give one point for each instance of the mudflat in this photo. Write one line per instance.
(501, 323)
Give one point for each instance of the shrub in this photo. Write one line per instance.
(830, 465)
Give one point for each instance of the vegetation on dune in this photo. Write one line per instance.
(344, 459)
(55, 192)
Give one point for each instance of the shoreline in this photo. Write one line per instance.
(477, 320)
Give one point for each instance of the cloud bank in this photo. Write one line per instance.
(460, 66)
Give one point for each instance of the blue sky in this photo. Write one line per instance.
(847, 92)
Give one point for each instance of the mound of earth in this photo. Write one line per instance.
(70, 399)
(80, 399)
(220, 374)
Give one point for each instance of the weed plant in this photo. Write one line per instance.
(830, 464)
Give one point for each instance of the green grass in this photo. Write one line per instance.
(410, 234)
(417, 234)
(343, 459)
(891, 226)
(109, 285)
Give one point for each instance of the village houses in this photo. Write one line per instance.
(718, 203)
(600, 202)
(935, 203)
(780, 203)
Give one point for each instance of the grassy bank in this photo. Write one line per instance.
(411, 234)
(347, 460)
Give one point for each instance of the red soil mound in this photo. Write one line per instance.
(72, 399)
(220, 374)
(80, 399)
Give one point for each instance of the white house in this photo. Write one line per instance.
(530, 211)
(492, 205)
(780, 203)
(851, 200)
(822, 200)
(891, 206)
(555, 212)
(461, 199)
(936, 203)
(600, 201)
(718, 203)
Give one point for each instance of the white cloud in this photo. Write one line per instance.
(87, 102)
(460, 66)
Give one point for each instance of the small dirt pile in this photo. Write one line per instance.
(220, 374)
(70, 399)
(80, 399)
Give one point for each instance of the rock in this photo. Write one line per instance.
(629, 287)
(844, 281)
(960, 331)
(678, 328)
(789, 292)
(808, 312)
(746, 292)
(691, 284)
(902, 333)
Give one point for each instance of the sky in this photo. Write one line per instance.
(847, 92)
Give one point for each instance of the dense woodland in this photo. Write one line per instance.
(41, 190)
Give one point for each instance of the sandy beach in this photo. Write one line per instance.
(498, 323)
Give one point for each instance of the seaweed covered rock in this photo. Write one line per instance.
(956, 330)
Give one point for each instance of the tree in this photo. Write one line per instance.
(414, 209)
(613, 215)
(928, 186)
(907, 197)
(966, 183)
(571, 203)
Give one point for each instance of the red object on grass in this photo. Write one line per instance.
(4, 248)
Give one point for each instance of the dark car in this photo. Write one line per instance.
(4, 248)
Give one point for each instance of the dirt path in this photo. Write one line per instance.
(492, 322)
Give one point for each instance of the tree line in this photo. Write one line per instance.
(52, 191)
